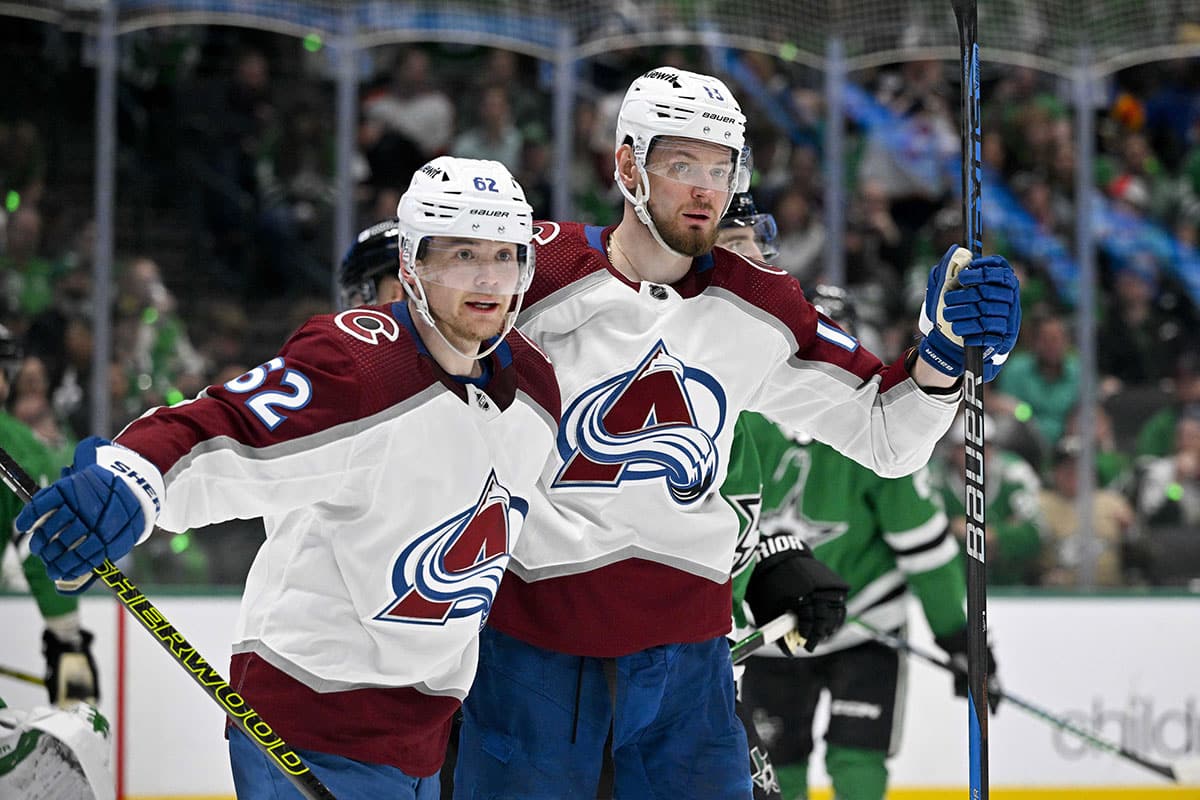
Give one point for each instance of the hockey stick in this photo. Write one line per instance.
(783, 626)
(1182, 771)
(20, 675)
(967, 15)
(243, 716)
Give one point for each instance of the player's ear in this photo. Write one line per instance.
(626, 167)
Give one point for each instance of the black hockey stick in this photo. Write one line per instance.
(1182, 771)
(216, 687)
(967, 15)
(783, 626)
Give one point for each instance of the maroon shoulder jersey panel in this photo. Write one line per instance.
(563, 257)
(780, 295)
(535, 374)
(574, 614)
(335, 369)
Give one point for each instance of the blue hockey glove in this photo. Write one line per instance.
(970, 303)
(104, 504)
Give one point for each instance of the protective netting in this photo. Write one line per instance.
(1046, 34)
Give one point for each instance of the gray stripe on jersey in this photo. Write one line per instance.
(545, 415)
(841, 375)
(630, 551)
(345, 430)
(530, 313)
(324, 685)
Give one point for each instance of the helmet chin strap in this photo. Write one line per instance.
(424, 312)
(640, 203)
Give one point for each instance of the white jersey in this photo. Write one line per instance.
(629, 544)
(392, 495)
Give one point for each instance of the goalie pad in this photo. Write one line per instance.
(54, 754)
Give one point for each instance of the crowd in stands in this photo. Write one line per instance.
(224, 233)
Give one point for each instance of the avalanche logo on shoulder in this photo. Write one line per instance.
(659, 421)
(454, 569)
(368, 325)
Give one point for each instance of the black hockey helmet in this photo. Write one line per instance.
(744, 213)
(375, 252)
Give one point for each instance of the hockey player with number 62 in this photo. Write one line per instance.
(392, 451)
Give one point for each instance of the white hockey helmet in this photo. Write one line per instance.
(673, 102)
(464, 198)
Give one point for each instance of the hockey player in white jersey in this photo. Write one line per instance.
(611, 624)
(392, 451)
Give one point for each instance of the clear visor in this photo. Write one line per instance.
(693, 162)
(482, 266)
(756, 231)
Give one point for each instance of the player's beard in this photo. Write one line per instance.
(464, 328)
(683, 238)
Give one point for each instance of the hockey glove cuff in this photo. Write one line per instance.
(104, 504)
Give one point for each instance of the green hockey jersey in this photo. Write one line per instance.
(1013, 516)
(884, 536)
(43, 466)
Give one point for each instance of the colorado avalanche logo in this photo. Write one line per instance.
(454, 570)
(658, 420)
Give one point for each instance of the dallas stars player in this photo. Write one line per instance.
(67, 647)
(884, 536)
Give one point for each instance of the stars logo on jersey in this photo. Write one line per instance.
(659, 421)
(790, 519)
(748, 508)
(762, 771)
(454, 569)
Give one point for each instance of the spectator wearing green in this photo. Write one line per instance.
(1046, 376)
(1157, 436)
(70, 668)
(1013, 515)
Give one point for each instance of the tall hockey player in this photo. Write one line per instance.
(613, 618)
(66, 645)
(885, 536)
(392, 451)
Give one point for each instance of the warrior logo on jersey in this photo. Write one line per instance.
(454, 569)
(657, 421)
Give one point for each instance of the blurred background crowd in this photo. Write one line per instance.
(225, 191)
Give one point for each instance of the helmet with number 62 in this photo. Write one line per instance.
(461, 200)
